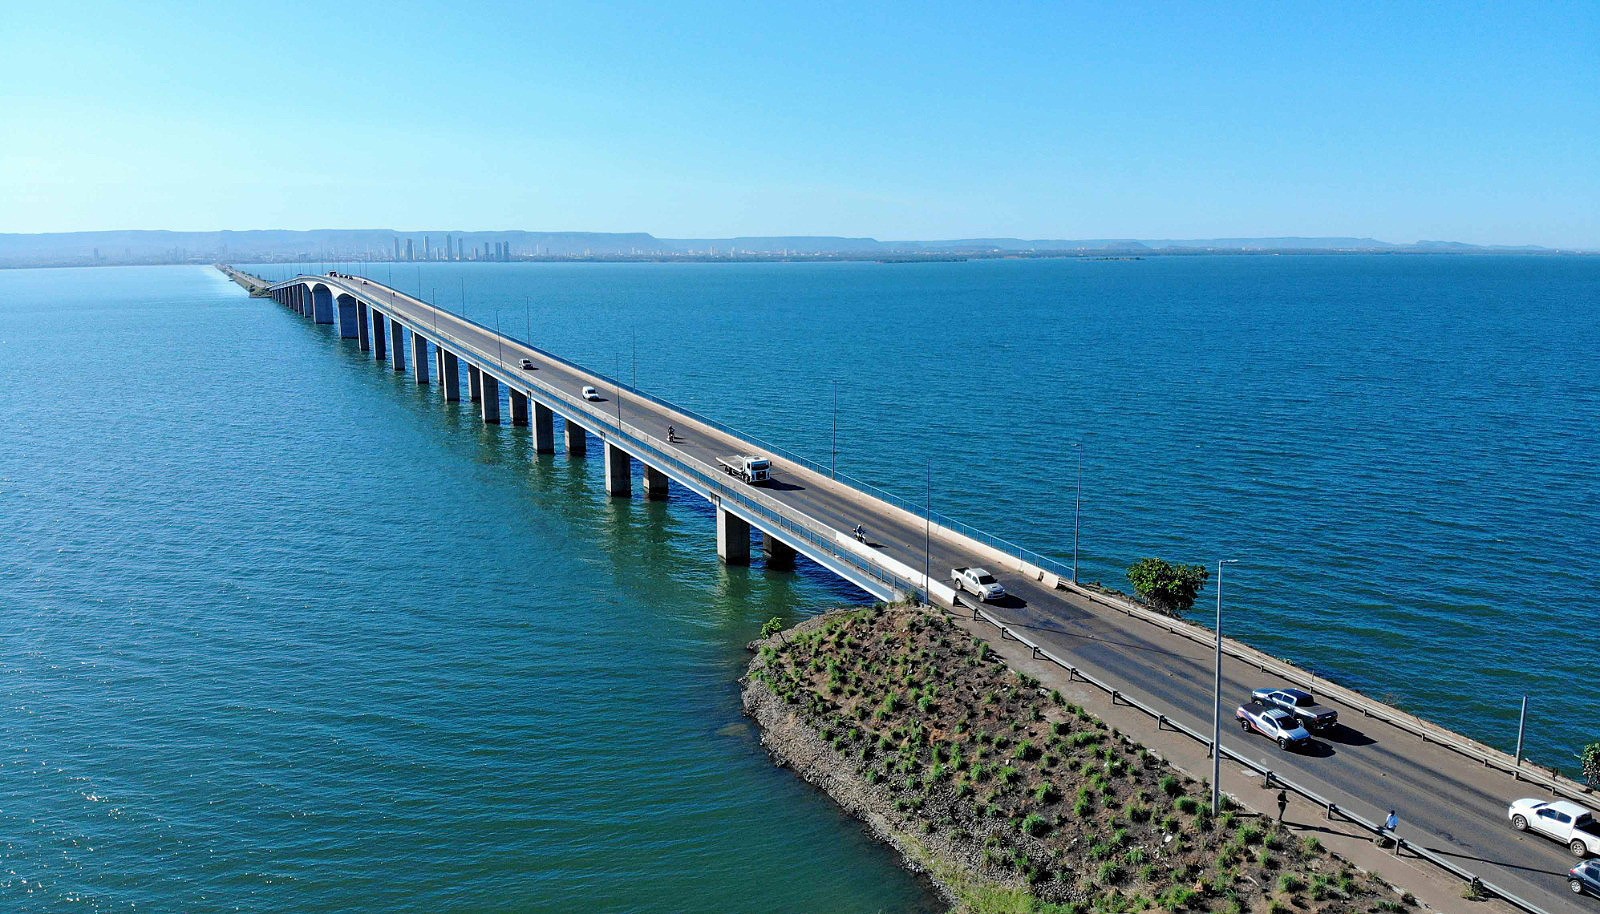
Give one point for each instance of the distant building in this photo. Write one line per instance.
(449, 247)
(486, 250)
(397, 247)
(427, 248)
(411, 252)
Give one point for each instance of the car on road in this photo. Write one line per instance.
(589, 393)
(525, 364)
(1566, 822)
(1275, 724)
(1585, 877)
(1302, 704)
(977, 581)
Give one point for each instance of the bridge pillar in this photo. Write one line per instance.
(619, 472)
(397, 344)
(322, 306)
(419, 356)
(380, 338)
(655, 483)
(577, 440)
(780, 555)
(449, 375)
(474, 383)
(733, 538)
(489, 388)
(363, 335)
(544, 429)
(519, 406)
(347, 317)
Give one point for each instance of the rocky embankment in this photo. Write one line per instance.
(1009, 798)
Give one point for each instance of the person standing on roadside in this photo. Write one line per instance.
(1283, 804)
(1390, 824)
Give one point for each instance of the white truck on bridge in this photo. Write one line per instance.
(748, 467)
(977, 581)
(1566, 822)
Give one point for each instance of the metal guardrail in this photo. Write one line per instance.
(646, 447)
(1331, 808)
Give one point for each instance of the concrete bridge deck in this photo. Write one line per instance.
(1450, 802)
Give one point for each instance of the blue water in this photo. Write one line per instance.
(285, 633)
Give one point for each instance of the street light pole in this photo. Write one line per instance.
(927, 540)
(1216, 703)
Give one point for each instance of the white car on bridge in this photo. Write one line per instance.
(589, 393)
(1566, 822)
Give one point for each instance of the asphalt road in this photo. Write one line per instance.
(1445, 801)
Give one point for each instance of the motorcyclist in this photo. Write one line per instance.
(861, 533)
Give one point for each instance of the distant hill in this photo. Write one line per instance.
(132, 247)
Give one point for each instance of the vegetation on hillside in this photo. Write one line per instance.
(1038, 804)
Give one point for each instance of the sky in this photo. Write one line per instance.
(1398, 121)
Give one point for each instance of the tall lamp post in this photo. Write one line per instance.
(833, 468)
(1216, 702)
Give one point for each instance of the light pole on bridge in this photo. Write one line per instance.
(1216, 701)
(1077, 511)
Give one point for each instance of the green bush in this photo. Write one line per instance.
(1167, 587)
(1034, 824)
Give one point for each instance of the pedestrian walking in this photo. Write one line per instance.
(1283, 804)
(1389, 825)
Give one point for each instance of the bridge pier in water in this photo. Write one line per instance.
(655, 483)
(489, 391)
(363, 334)
(419, 356)
(397, 345)
(519, 406)
(544, 429)
(619, 472)
(380, 338)
(733, 538)
(347, 317)
(577, 440)
(449, 375)
(474, 383)
(322, 305)
(780, 555)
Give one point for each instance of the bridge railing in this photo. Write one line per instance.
(1271, 778)
(788, 524)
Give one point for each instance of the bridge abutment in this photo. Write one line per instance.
(733, 538)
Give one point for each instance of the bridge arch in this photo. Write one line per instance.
(321, 304)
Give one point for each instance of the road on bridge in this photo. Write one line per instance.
(1448, 803)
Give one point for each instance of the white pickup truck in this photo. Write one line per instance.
(1566, 822)
(1275, 724)
(747, 467)
(978, 582)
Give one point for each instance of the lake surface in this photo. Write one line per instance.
(285, 633)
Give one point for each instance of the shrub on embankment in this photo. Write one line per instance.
(1012, 799)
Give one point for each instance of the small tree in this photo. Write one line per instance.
(1590, 757)
(1169, 588)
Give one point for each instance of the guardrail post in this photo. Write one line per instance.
(1035, 653)
(1268, 783)
(1114, 695)
(1333, 810)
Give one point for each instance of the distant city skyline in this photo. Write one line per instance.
(899, 121)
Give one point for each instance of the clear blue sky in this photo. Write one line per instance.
(1399, 121)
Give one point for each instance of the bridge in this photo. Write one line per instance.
(1452, 791)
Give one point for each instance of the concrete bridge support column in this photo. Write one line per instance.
(380, 338)
(450, 375)
(347, 317)
(655, 483)
(474, 383)
(544, 429)
(619, 472)
(577, 440)
(489, 387)
(733, 538)
(519, 406)
(363, 335)
(397, 345)
(780, 555)
(322, 306)
(419, 357)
